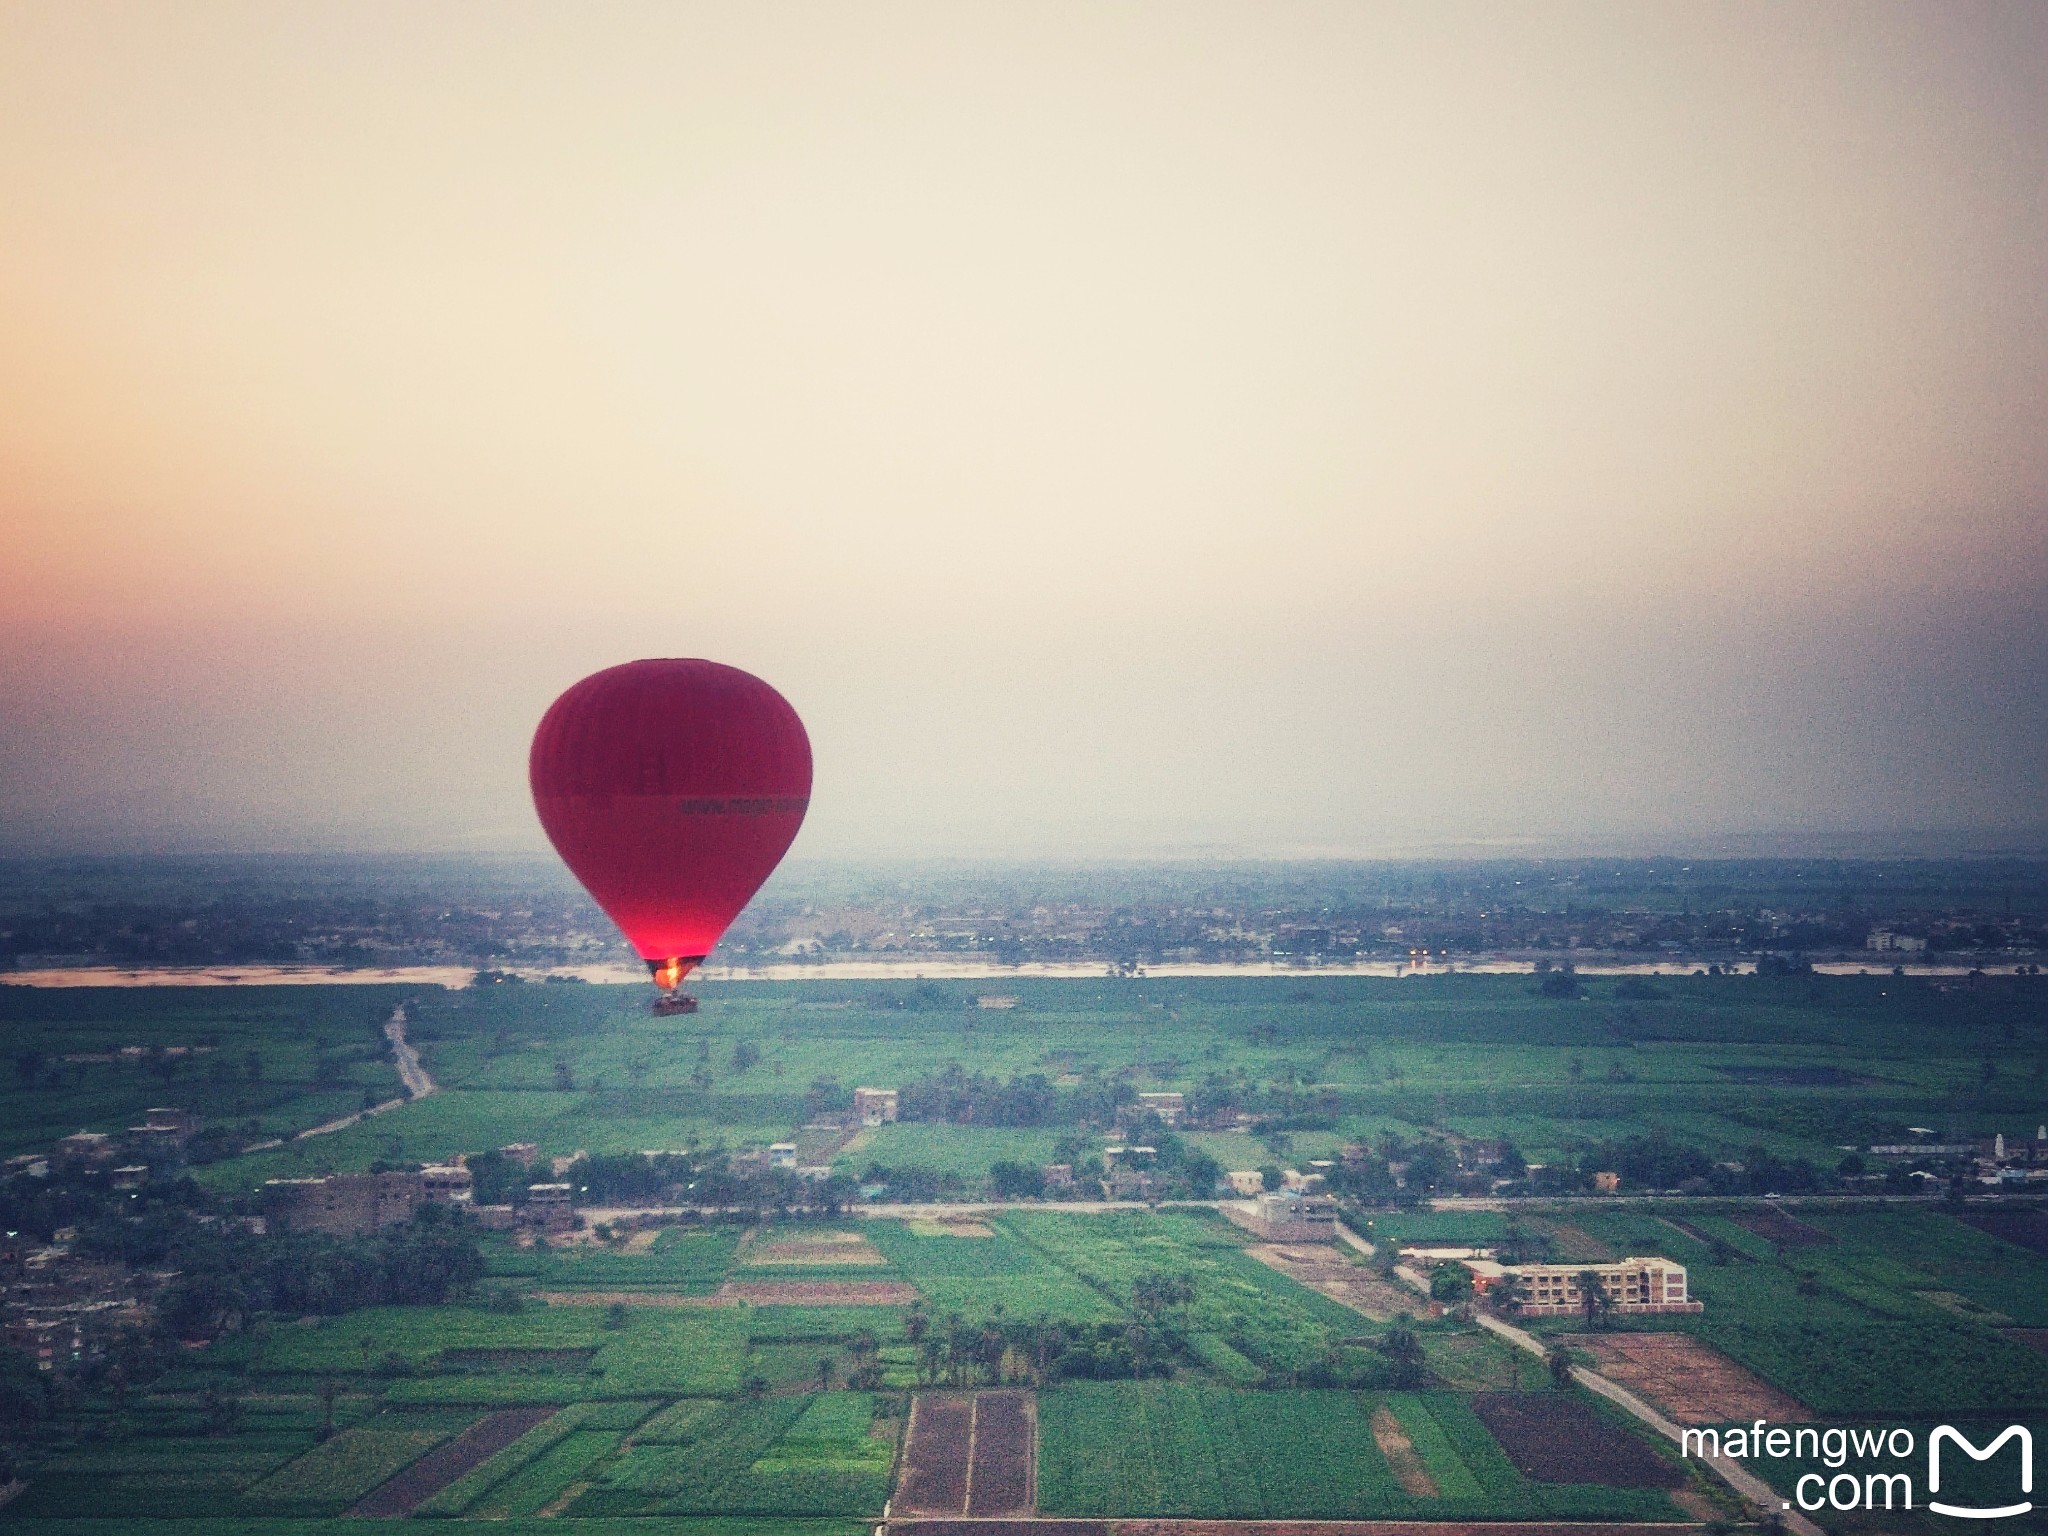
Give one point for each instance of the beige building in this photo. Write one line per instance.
(874, 1106)
(548, 1207)
(447, 1183)
(1245, 1181)
(1292, 1216)
(1552, 1290)
(1171, 1108)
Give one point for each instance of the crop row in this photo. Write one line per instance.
(1840, 1331)
(334, 1474)
(1140, 1450)
(606, 1420)
(1277, 1322)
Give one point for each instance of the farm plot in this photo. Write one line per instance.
(2023, 1229)
(1188, 1451)
(1782, 1228)
(335, 1474)
(1692, 1382)
(674, 1354)
(969, 1455)
(811, 1250)
(1005, 1437)
(165, 1476)
(420, 1335)
(973, 1274)
(1168, 1450)
(935, 1455)
(462, 1492)
(820, 1293)
(793, 1456)
(551, 1476)
(451, 1460)
(1331, 1273)
(692, 1263)
(1274, 1321)
(1939, 1257)
(1838, 1332)
(1554, 1438)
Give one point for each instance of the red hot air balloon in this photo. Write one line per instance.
(671, 789)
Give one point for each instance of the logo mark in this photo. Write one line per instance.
(1947, 1432)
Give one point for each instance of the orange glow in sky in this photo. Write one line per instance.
(1116, 428)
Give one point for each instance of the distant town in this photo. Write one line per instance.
(1545, 913)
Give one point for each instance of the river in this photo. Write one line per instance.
(934, 968)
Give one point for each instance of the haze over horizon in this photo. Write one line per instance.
(1119, 431)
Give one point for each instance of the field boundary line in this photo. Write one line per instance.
(1745, 1482)
(973, 1423)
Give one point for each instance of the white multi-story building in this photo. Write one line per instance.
(1553, 1290)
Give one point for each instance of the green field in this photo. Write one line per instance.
(1794, 1066)
(1159, 1449)
(706, 1420)
(1842, 1330)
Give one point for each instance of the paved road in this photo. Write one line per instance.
(1732, 1472)
(418, 1084)
(415, 1077)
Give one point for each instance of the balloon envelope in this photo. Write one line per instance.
(671, 789)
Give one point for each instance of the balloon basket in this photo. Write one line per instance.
(676, 1002)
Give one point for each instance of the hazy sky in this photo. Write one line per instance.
(1116, 427)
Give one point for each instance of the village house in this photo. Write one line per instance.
(84, 1149)
(548, 1207)
(447, 1183)
(1171, 1108)
(164, 1132)
(874, 1106)
(1294, 1216)
(1248, 1182)
(345, 1204)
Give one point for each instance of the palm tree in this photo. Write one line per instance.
(1593, 1297)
